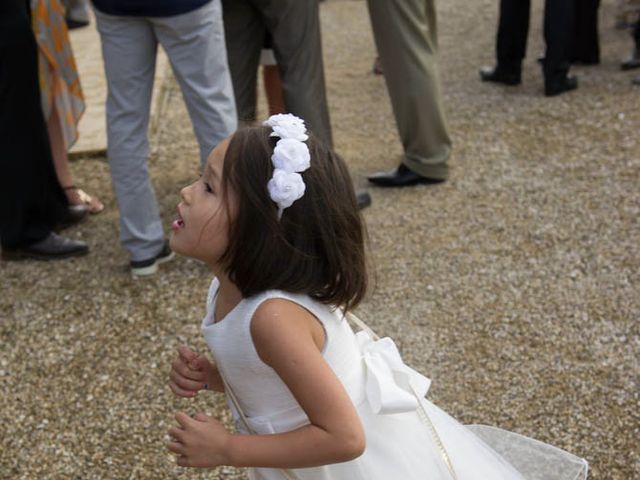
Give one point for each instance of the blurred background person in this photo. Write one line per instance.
(294, 28)
(511, 45)
(61, 94)
(191, 32)
(406, 36)
(32, 204)
(586, 43)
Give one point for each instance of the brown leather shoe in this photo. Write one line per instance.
(53, 247)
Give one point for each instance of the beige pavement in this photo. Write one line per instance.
(88, 53)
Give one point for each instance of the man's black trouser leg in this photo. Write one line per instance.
(513, 30)
(558, 34)
(586, 46)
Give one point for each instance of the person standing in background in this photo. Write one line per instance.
(511, 45)
(192, 34)
(32, 204)
(406, 37)
(586, 43)
(294, 28)
(61, 94)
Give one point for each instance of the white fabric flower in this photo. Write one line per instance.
(294, 131)
(291, 155)
(285, 188)
(283, 119)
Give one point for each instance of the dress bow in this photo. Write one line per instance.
(391, 386)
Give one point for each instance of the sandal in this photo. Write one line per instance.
(77, 196)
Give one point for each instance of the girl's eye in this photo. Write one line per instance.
(208, 188)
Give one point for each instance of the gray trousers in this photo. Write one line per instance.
(195, 45)
(294, 26)
(406, 37)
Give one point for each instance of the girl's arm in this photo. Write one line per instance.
(191, 372)
(289, 339)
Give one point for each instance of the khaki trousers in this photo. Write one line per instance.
(406, 37)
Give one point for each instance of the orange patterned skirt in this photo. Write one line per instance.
(59, 79)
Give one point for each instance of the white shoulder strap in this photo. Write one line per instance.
(227, 388)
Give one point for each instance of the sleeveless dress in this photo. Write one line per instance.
(399, 445)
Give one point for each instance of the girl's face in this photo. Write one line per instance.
(201, 230)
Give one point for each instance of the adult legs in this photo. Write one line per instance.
(513, 30)
(405, 35)
(195, 45)
(559, 18)
(129, 52)
(31, 201)
(586, 45)
(295, 29)
(244, 32)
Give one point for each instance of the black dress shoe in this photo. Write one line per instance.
(53, 247)
(553, 88)
(364, 199)
(499, 75)
(401, 177)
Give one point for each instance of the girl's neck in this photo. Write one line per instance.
(228, 297)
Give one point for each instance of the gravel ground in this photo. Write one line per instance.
(514, 286)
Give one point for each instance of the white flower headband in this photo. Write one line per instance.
(290, 157)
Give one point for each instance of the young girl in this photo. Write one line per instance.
(274, 215)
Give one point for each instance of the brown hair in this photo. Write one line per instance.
(316, 248)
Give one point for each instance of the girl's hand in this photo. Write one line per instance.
(200, 441)
(191, 373)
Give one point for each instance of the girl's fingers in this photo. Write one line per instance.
(177, 434)
(183, 461)
(183, 369)
(187, 354)
(185, 383)
(180, 391)
(176, 447)
(201, 417)
(183, 419)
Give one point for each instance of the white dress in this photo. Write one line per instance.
(399, 444)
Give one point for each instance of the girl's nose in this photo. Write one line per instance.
(184, 193)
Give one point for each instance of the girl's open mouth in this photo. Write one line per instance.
(178, 223)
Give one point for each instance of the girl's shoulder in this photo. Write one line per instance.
(277, 302)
